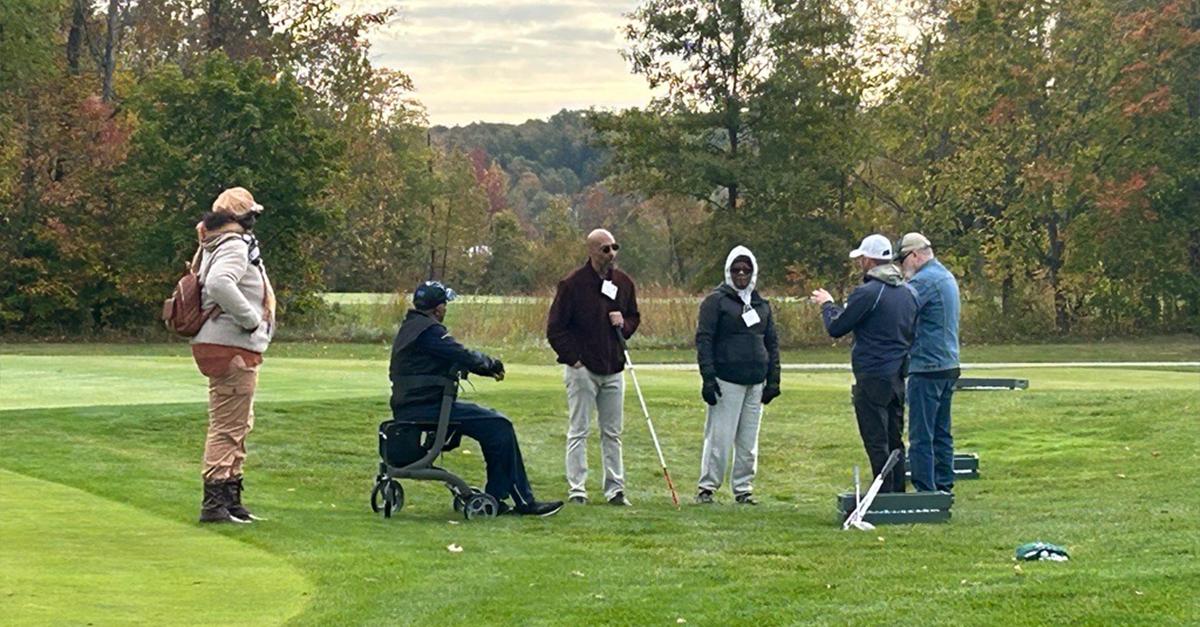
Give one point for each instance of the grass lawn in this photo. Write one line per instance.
(99, 489)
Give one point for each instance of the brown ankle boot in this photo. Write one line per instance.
(234, 489)
(214, 507)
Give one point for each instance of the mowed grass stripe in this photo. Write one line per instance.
(30, 381)
(70, 557)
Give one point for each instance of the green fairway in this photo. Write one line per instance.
(107, 442)
(70, 557)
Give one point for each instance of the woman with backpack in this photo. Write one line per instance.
(229, 347)
(738, 353)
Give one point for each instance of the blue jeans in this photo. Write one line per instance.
(930, 443)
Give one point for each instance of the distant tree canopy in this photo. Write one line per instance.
(1047, 149)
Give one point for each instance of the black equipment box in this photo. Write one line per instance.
(900, 508)
(966, 466)
(991, 384)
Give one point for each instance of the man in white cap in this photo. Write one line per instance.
(881, 313)
(933, 367)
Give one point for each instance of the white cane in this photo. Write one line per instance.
(646, 412)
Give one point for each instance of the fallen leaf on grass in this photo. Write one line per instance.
(1120, 475)
(453, 522)
(680, 620)
(454, 548)
(577, 573)
(1139, 592)
(880, 538)
(598, 596)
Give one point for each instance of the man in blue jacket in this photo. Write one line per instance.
(881, 313)
(933, 365)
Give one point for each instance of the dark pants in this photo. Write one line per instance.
(931, 452)
(879, 407)
(494, 432)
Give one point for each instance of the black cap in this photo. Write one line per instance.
(430, 294)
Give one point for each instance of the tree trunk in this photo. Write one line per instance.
(216, 28)
(75, 37)
(676, 267)
(1006, 290)
(110, 44)
(1054, 262)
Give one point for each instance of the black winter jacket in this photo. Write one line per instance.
(728, 349)
(423, 346)
(882, 313)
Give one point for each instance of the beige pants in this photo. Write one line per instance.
(604, 394)
(230, 419)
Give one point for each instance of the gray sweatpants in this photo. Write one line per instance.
(732, 424)
(588, 391)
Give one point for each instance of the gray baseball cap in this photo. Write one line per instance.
(910, 242)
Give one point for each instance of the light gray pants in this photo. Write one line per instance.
(732, 424)
(588, 391)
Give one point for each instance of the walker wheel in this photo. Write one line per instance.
(481, 506)
(458, 500)
(393, 498)
(376, 493)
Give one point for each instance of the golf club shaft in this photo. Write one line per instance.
(865, 504)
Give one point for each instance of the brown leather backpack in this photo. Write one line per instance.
(183, 312)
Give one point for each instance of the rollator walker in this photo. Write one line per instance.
(408, 448)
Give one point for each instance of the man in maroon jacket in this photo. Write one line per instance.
(592, 305)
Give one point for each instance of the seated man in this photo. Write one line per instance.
(423, 346)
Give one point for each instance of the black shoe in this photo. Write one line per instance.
(578, 500)
(745, 498)
(214, 508)
(704, 497)
(539, 508)
(619, 500)
(503, 508)
(233, 499)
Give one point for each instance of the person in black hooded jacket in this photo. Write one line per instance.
(738, 353)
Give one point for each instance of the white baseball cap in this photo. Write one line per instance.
(874, 247)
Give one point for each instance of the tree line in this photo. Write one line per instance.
(1048, 149)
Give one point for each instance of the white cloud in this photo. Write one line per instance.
(501, 61)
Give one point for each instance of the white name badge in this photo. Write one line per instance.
(609, 289)
(751, 318)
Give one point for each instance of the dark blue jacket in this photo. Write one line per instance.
(423, 346)
(881, 313)
(936, 346)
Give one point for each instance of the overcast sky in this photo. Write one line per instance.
(508, 60)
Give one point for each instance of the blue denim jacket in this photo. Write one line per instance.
(936, 345)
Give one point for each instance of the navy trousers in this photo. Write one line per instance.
(931, 445)
(494, 431)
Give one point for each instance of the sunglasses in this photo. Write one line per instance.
(614, 247)
(741, 270)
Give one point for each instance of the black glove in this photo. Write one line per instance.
(769, 393)
(710, 392)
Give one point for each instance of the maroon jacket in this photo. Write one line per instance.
(578, 326)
